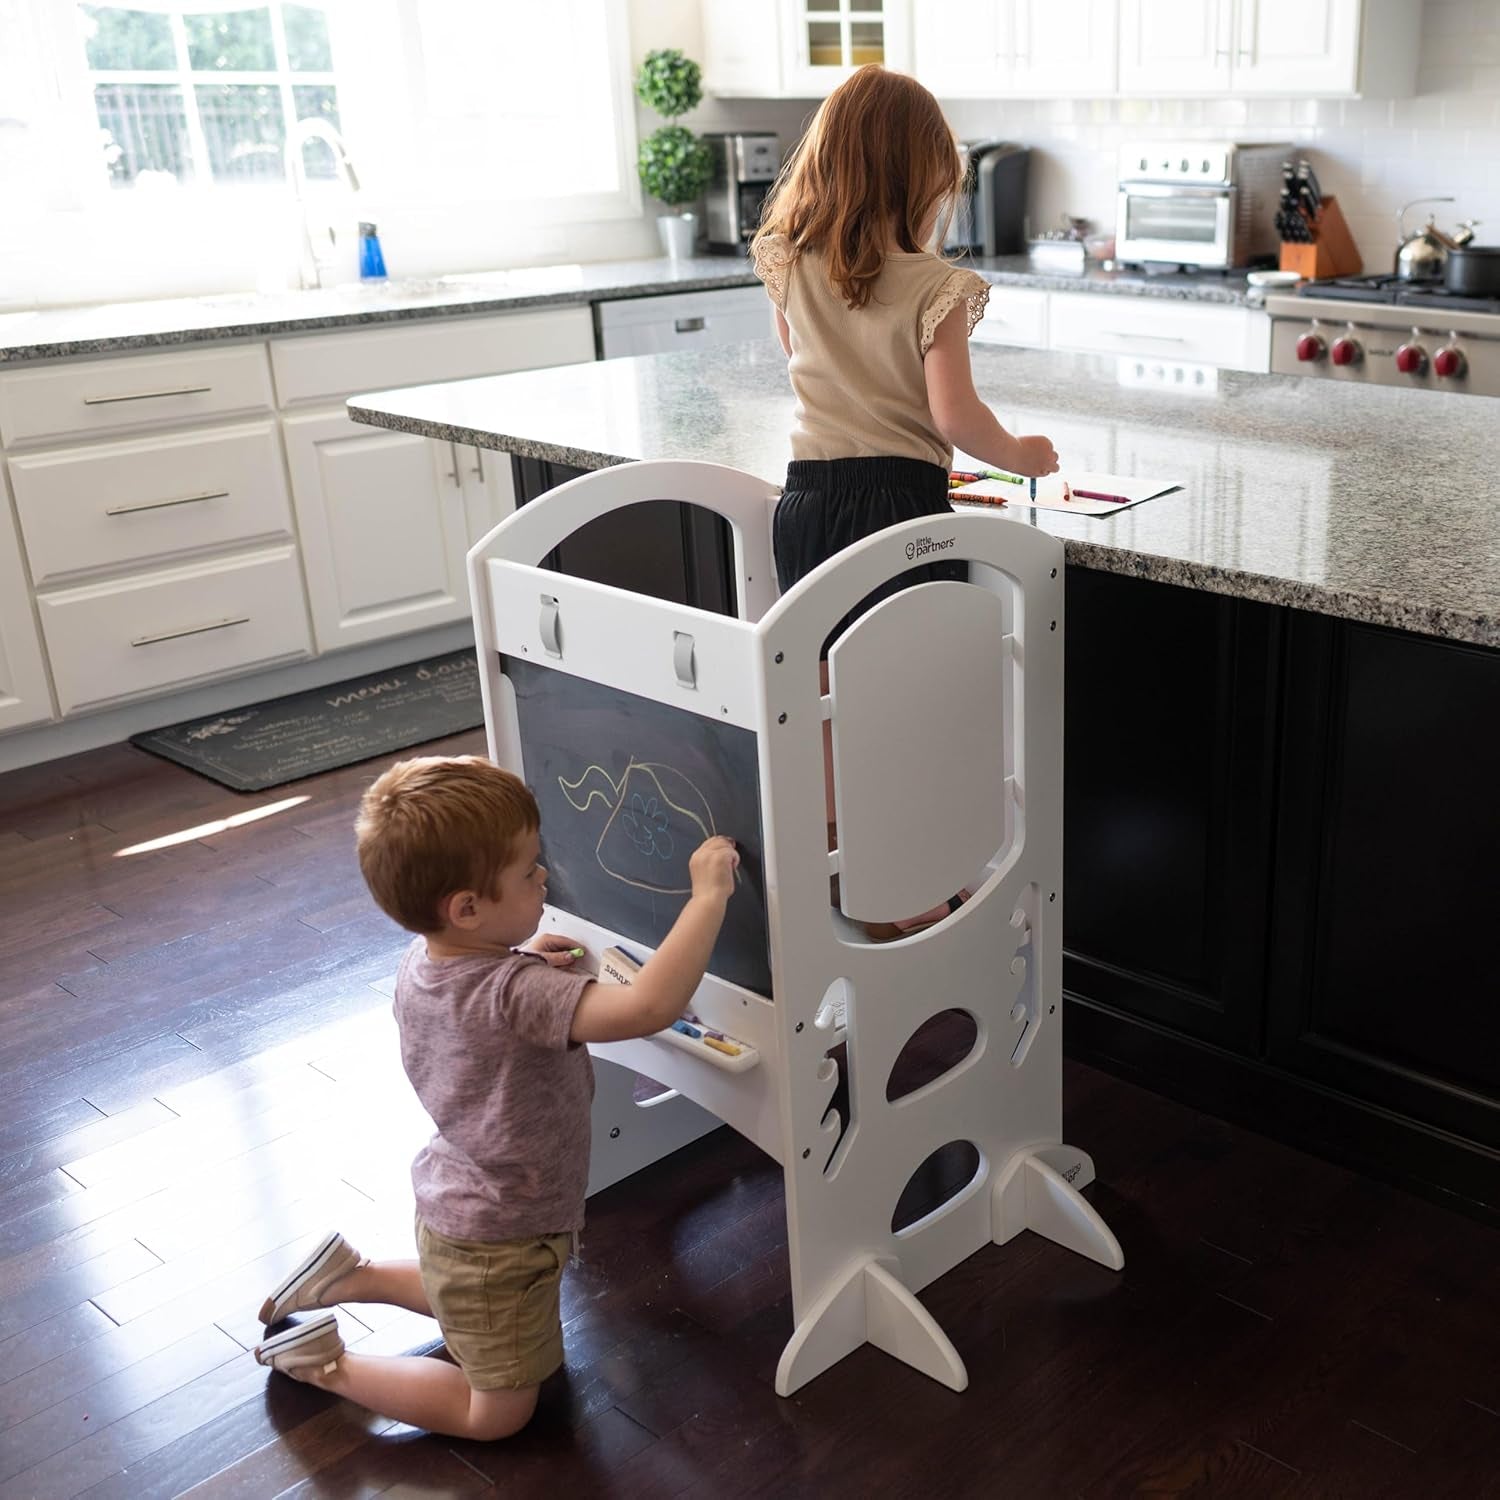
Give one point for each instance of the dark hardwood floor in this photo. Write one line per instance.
(198, 1076)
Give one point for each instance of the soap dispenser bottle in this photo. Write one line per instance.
(371, 261)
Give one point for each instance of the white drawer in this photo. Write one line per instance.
(174, 628)
(324, 366)
(1014, 315)
(1095, 323)
(106, 395)
(111, 505)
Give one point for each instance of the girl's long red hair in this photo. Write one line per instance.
(877, 165)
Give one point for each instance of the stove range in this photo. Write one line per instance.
(1392, 289)
(1380, 330)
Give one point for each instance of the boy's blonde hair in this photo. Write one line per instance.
(434, 826)
(878, 161)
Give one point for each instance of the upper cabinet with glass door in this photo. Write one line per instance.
(826, 40)
(799, 49)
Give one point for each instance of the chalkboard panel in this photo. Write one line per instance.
(628, 788)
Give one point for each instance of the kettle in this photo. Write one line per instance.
(1423, 256)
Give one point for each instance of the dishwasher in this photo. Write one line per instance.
(683, 320)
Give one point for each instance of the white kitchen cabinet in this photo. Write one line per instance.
(96, 507)
(1285, 48)
(1014, 315)
(1233, 338)
(1169, 48)
(154, 632)
(98, 396)
(383, 526)
(996, 49)
(24, 695)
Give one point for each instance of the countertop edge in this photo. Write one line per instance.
(1090, 283)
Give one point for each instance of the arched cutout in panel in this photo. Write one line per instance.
(934, 1049)
(941, 1178)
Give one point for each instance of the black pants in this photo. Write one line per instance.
(829, 504)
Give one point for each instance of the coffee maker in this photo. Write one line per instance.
(990, 215)
(745, 168)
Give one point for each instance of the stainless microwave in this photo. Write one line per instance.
(1196, 203)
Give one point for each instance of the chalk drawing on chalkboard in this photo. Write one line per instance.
(656, 819)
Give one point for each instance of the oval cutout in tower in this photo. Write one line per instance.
(931, 1052)
(940, 1179)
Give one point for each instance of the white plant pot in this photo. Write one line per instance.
(678, 234)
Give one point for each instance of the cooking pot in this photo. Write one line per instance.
(1473, 270)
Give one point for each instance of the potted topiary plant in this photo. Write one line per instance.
(675, 166)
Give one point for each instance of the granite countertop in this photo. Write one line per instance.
(108, 328)
(1225, 288)
(1367, 503)
(117, 327)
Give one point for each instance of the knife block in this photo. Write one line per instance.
(1332, 251)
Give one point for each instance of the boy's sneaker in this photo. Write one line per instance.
(316, 1343)
(304, 1288)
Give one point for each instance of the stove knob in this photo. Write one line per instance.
(1346, 351)
(1411, 359)
(1449, 362)
(1310, 347)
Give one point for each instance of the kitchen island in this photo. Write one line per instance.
(1283, 689)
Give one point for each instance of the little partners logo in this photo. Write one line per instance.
(925, 544)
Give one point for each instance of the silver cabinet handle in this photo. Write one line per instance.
(1150, 338)
(453, 472)
(182, 390)
(172, 635)
(479, 464)
(130, 510)
(690, 325)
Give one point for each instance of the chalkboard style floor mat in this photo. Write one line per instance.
(285, 739)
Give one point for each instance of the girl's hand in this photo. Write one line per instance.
(1034, 456)
(557, 950)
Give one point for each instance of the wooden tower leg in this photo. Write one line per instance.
(1039, 1190)
(869, 1306)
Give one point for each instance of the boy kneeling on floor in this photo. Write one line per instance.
(492, 1039)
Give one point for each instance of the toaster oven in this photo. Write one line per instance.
(1196, 203)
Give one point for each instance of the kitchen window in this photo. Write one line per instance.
(142, 145)
(206, 96)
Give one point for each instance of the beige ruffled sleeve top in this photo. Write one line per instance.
(857, 374)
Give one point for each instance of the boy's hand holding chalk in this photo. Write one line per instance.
(557, 950)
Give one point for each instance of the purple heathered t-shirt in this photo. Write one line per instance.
(484, 1041)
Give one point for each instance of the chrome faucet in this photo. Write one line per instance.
(314, 260)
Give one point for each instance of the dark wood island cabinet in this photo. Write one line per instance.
(1281, 842)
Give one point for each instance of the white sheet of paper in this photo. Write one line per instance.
(1049, 492)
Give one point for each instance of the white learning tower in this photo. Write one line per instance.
(946, 708)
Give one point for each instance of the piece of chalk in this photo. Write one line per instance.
(728, 1048)
(687, 1030)
(575, 952)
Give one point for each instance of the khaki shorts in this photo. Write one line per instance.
(497, 1305)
